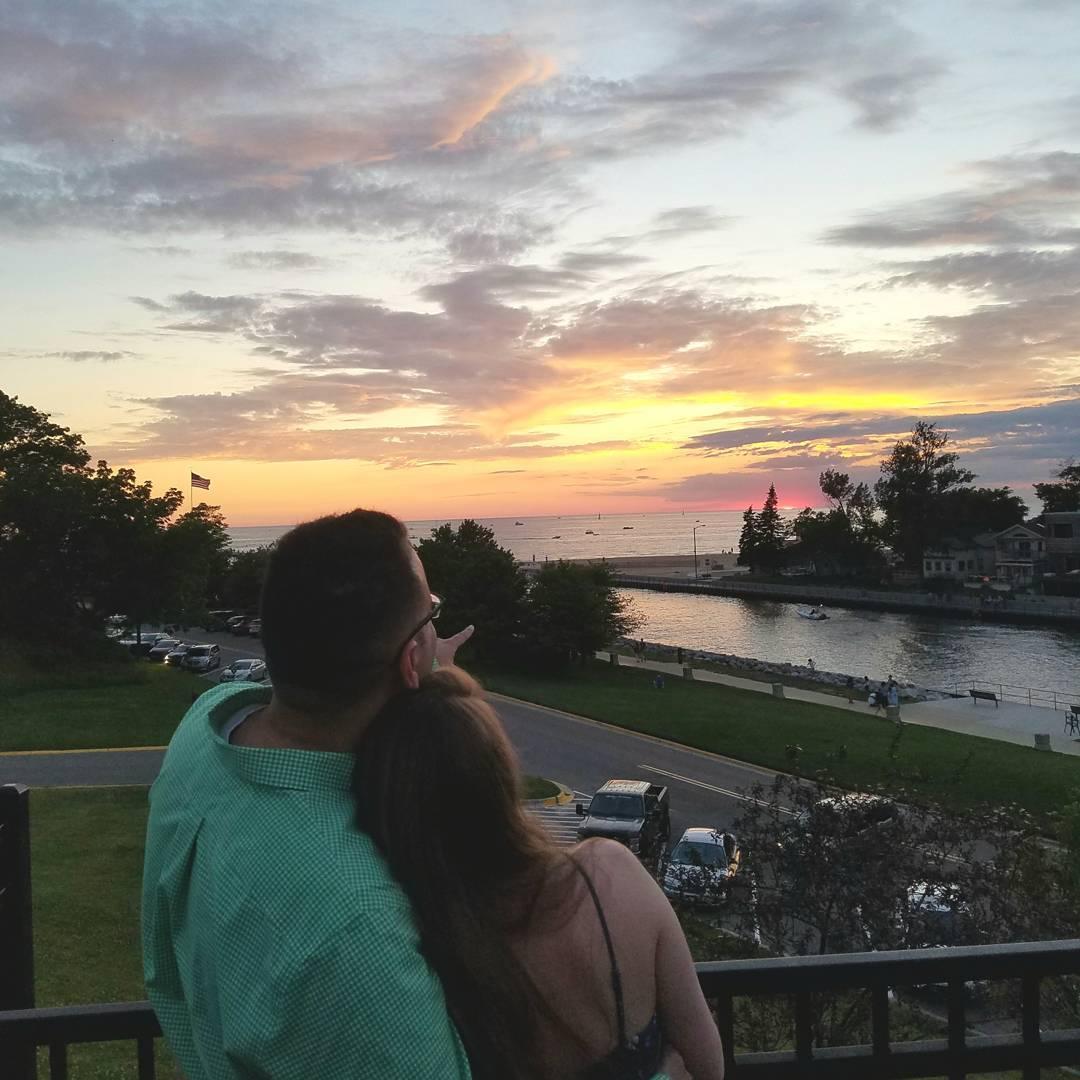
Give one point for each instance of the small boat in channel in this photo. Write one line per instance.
(813, 614)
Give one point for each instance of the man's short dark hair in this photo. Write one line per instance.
(339, 592)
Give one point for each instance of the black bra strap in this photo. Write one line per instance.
(616, 979)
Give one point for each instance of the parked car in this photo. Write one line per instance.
(233, 622)
(216, 620)
(252, 670)
(175, 657)
(634, 812)
(842, 817)
(254, 628)
(702, 866)
(162, 647)
(202, 658)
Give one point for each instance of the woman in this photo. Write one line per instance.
(554, 963)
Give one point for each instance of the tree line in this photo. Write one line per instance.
(80, 541)
(922, 497)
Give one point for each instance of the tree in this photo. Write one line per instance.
(845, 538)
(914, 477)
(967, 511)
(480, 583)
(771, 533)
(1064, 495)
(575, 609)
(748, 539)
(196, 547)
(243, 578)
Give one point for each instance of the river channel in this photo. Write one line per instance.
(927, 650)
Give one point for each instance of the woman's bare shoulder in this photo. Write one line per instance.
(614, 869)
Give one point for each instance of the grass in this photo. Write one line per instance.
(80, 705)
(861, 752)
(87, 850)
(536, 787)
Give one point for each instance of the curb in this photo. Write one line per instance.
(565, 796)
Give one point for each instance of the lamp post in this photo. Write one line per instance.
(699, 525)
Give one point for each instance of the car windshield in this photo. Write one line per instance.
(617, 806)
(688, 853)
(168, 642)
(199, 650)
(181, 647)
(240, 665)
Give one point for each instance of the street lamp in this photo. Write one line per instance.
(699, 525)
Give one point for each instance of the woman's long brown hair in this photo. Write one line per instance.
(438, 788)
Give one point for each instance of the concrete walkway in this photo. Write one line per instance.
(1009, 722)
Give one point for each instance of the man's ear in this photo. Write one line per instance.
(407, 666)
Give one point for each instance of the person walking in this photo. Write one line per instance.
(850, 689)
(555, 963)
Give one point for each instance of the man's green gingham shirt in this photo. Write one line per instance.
(275, 942)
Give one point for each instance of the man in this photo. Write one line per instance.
(275, 942)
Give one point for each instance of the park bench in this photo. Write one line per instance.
(983, 695)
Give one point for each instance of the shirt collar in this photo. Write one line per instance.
(297, 770)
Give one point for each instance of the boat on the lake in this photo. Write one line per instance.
(628, 526)
(813, 613)
(589, 532)
(519, 522)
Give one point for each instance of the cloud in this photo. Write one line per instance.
(277, 260)
(82, 356)
(1018, 201)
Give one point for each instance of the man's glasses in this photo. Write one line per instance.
(436, 610)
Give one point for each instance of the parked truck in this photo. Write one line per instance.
(634, 812)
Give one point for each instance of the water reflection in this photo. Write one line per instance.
(928, 651)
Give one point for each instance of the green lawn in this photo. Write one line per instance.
(86, 851)
(929, 764)
(127, 704)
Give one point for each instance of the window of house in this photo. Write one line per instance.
(948, 565)
(928, 565)
(937, 566)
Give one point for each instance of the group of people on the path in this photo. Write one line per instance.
(341, 880)
(884, 695)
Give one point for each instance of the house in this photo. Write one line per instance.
(959, 559)
(1062, 540)
(1020, 554)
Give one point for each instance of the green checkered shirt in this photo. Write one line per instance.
(275, 942)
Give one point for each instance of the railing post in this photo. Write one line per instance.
(957, 1028)
(16, 919)
(1029, 1019)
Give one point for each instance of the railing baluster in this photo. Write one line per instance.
(957, 1028)
(725, 1021)
(58, 1061)
(879, 1018)
(804, 1035)
(1030, 1028)
(145, 1045)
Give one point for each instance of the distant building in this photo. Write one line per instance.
(1062, 541)
(1020, 554)
(957, 559)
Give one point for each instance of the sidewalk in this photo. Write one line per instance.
(1009, 722)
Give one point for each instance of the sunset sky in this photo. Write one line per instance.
(511, 258)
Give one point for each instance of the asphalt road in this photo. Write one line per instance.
(705, 789)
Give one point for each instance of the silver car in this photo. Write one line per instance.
(202, 658)
(176, 657)
(251, 670)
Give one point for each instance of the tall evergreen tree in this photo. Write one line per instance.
(772, 532)
(748, 539)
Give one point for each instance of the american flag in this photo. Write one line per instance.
(200, 481)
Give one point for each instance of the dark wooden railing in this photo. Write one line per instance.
(791, 978)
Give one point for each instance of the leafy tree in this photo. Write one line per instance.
(914, 477)
(196, 547)
(845, 538)
(967, 511)
(1064, 494)
(243, 578)
(748, 539)
(575, 609)
(480, 582)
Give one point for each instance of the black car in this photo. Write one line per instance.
(634, 812)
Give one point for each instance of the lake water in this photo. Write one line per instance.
(929, 651)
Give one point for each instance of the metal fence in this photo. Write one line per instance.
(959, 1054)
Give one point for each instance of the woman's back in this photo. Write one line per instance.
(568, 958)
